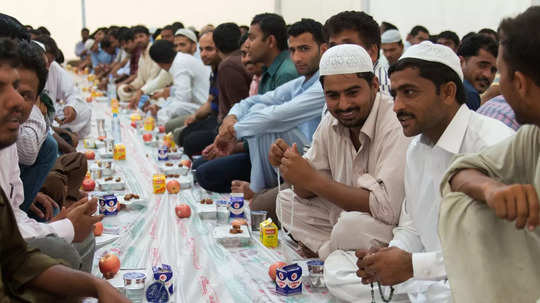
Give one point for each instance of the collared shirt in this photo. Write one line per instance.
(254, 85)
(12, 185)
(20, 264)
(79, 49)
(147, 69)
(62, 91)
(473, 97)
(32, 133)
(281, 70)
(381, 71)
(426, 164)
(233, 83)
(190, 86)
(377, 166)
(214, 92)
(498, 108)
(297, 103)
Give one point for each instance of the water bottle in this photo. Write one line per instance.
(116, 131)
(111, 88)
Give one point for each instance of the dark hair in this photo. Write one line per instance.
(244, 27)
(51, 47)
(368, 76)
(435, 72)
(386, 26)
(12, 28)
(84, 29)
(176, 26)
(8, 52)
(226, 37)
(243, 39)
(471, 45)
(106, 43)
(467, 35)
(93, 35)
(44, 31)
(450, 35)
(31, 57)
(417, 29)
(137, 29)
(520, 41)
(156, 34)
(168, 28)
(489, 31)
(162, 51)
(126, 35)
(272, 25)
(364, 24)
(308, 26)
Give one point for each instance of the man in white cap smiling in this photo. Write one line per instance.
(391, 45)
(185, 41)
(348, 187)
(427, 84)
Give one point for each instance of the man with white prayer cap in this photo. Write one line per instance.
(391, 45)
(427, 84)
(348, 187)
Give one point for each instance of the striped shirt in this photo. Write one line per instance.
(32, 133)
(381, 71)
(498, 108)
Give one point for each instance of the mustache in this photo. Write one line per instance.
(404, 114)
(13, 114)
(339, 111)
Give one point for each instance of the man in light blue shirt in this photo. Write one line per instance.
(291, 112)
(104, 55)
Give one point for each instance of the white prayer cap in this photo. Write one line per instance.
(435, 53)
(187, 33)
(345, 59)
(391, 36)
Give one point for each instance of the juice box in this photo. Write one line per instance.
(158, 181)
(168, 140)
(108, 205)
(236, 206)
(119, 152)
(164, 274)
(149, 124)
(289, 280)
(269, 233)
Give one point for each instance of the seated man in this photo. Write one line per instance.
(477, 54)
(80, 49)
(488, 257)
(291, 111)
(103, 57)
(429, 102)
(498, 108)
(391, 45)
(72, 112)
(232, 85)
(190, 81)
(348, 187)
(128, 44)
(147, 69)
(450, 39)
(28, 275)
(253, 69)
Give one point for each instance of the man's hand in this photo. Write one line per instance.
(82, 220)
(134, 101)
(154, 108)
(47, 202)
(129, 88)
(227, 126)
(517, 202)
(165, 93)
(295, 169)
(389, 266)
(225, 145)
(209, 152)
(69, 114)
(190, 119)
(277, 150)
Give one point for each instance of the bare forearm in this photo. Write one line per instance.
(471, 182)
(347, 197)
(203, 111)
(63, 281)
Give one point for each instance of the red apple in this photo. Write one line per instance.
(98, 229)
(101, 138)
(133, 124)
(147, 137)
(161, 128)
(173, 187)
(89, 99)
(90, 155)
(183, 211)
(109, 265)
(88, 184)
(186, 163)
(272, 269)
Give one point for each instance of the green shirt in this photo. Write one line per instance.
(19, 264)
(281, 70)
(488, 259)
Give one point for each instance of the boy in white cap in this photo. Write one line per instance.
(427, 84)
(391, 45)
(348, 187)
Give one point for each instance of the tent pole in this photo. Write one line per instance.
(83, 12)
